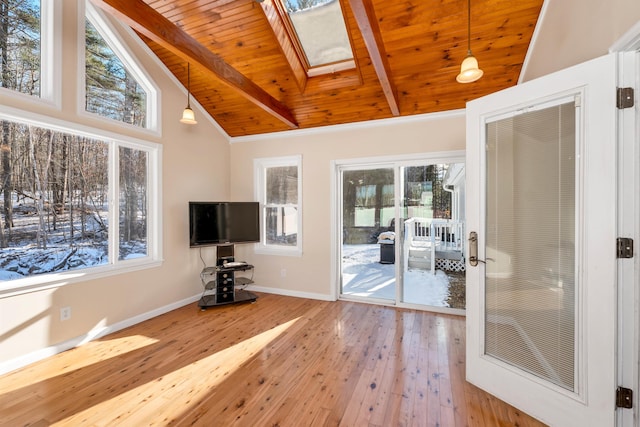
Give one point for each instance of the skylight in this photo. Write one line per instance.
(322, 32)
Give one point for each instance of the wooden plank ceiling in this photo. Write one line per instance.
(407, 55)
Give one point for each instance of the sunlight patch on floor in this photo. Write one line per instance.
(191, 388)
(69, 361)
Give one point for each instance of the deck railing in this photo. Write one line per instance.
(436, 234)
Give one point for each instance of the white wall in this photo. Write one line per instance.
(574, 31)
(195, 167)
(310, 274)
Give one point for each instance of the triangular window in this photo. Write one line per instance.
(115, 87)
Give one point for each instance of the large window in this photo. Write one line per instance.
(20, 49)
(278, 189)
(73, 201)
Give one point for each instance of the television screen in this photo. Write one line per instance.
(217, 223)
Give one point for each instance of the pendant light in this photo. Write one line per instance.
(187, 115)
(469, 71)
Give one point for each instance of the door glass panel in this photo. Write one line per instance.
(432, 226)
(530, 279)
(368, 267)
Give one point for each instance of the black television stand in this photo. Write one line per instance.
(220, 282)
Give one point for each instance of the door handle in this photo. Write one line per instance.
(473, 249)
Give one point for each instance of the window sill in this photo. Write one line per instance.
(278, 251)
(56, 280)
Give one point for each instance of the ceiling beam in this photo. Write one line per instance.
(146, 20)
(368, 24)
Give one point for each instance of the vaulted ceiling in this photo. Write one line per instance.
(407, 55)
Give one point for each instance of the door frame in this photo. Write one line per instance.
(455, 156)
(628, 330)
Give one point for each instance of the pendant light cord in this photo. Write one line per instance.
(469, 28)
(188, 85)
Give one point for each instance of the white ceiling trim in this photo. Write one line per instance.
(392, 121)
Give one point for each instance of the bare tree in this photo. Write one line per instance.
(5, 143)
(297, 5)
(41, 235)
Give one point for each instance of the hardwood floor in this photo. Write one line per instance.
(280, 362)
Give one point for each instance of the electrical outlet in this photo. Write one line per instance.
(65, 313)
(283, 272)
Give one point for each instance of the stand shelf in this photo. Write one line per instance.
(220, 286)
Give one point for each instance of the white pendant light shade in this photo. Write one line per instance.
(188, 117)
(469, 71)
(187, 114)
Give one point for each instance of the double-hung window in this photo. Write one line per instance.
(279, 191)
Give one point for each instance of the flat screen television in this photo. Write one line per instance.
(221, 223)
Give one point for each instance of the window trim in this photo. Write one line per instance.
(154, 256)
(260, 167)
(51, 52)
(110, 35)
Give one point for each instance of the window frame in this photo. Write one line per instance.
(260, 167)
(110, 35)
(319, 69)
(333, 75)
(114, 266)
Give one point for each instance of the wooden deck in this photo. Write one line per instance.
(280, 362)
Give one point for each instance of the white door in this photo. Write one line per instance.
(541, 198)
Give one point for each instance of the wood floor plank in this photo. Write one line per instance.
(282, 361)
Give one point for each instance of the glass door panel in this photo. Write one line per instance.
(530, 243)
(431, 235)
(368, 224)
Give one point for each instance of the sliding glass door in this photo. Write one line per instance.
(401, 227)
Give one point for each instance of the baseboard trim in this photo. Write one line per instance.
(290, 293)
(27, 359)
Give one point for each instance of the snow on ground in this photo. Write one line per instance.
(364, 276)
(64, 250)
